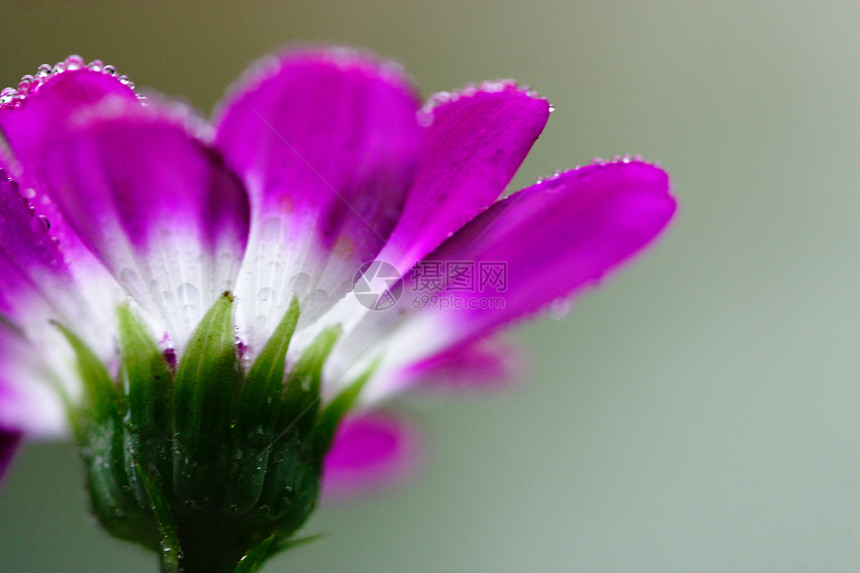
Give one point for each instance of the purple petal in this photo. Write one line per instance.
(369, 452)
(478, 366)
(9, 441)
(156, 206)
(30, 124)
(29, 401)
(37, 284)
(30, 261)
(550, 241)
(542, 244)
(326, 143)
(473, 147)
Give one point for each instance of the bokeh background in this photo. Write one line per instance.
(699, 412)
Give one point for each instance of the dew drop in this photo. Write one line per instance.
(109, 70)
(264, 294)
(260, 322)
(187, 294)
(560, 308)
(39, 224)
(301, 283)
(74, 62)
(25, 84)
(96, 65)
(130, 280)
(43, 71)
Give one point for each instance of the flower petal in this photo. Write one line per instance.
(544, 243)
(369, 452)
(478, 366)
(30, 260)
(553, 239)
(38, 115)
(157, 207)
(28, 401)
(9, 441)
(326, 143)
(476, 142)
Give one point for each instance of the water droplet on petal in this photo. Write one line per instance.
(74, 62)
(264, 294)
(43, 71)
(109, 70)
(560, 308)
(187, 294)
(40, 224)
(301, 284)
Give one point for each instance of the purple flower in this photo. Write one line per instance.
(317, 163)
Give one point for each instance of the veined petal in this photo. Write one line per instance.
(369, 451)
(29, 257)
(36, 283)
(543, 243)
(553, 239)
(37, 113)
(485, 364)
(474, 144)
(326, 143)
(28, 402)
(157, 207)
(9, 440)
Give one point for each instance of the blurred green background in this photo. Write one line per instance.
(716, 379)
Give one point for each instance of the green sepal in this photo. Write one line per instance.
(257, 416)
(302, 396)
(102, 398)
(255, 558)
(148, 381)
(171, 551)
(330, 417)
(207, 380)
(292, 484)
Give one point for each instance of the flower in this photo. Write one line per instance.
(326, 239)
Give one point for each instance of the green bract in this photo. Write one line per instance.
(213, 467)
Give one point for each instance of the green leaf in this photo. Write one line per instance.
(207, 380)
(170, 548)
